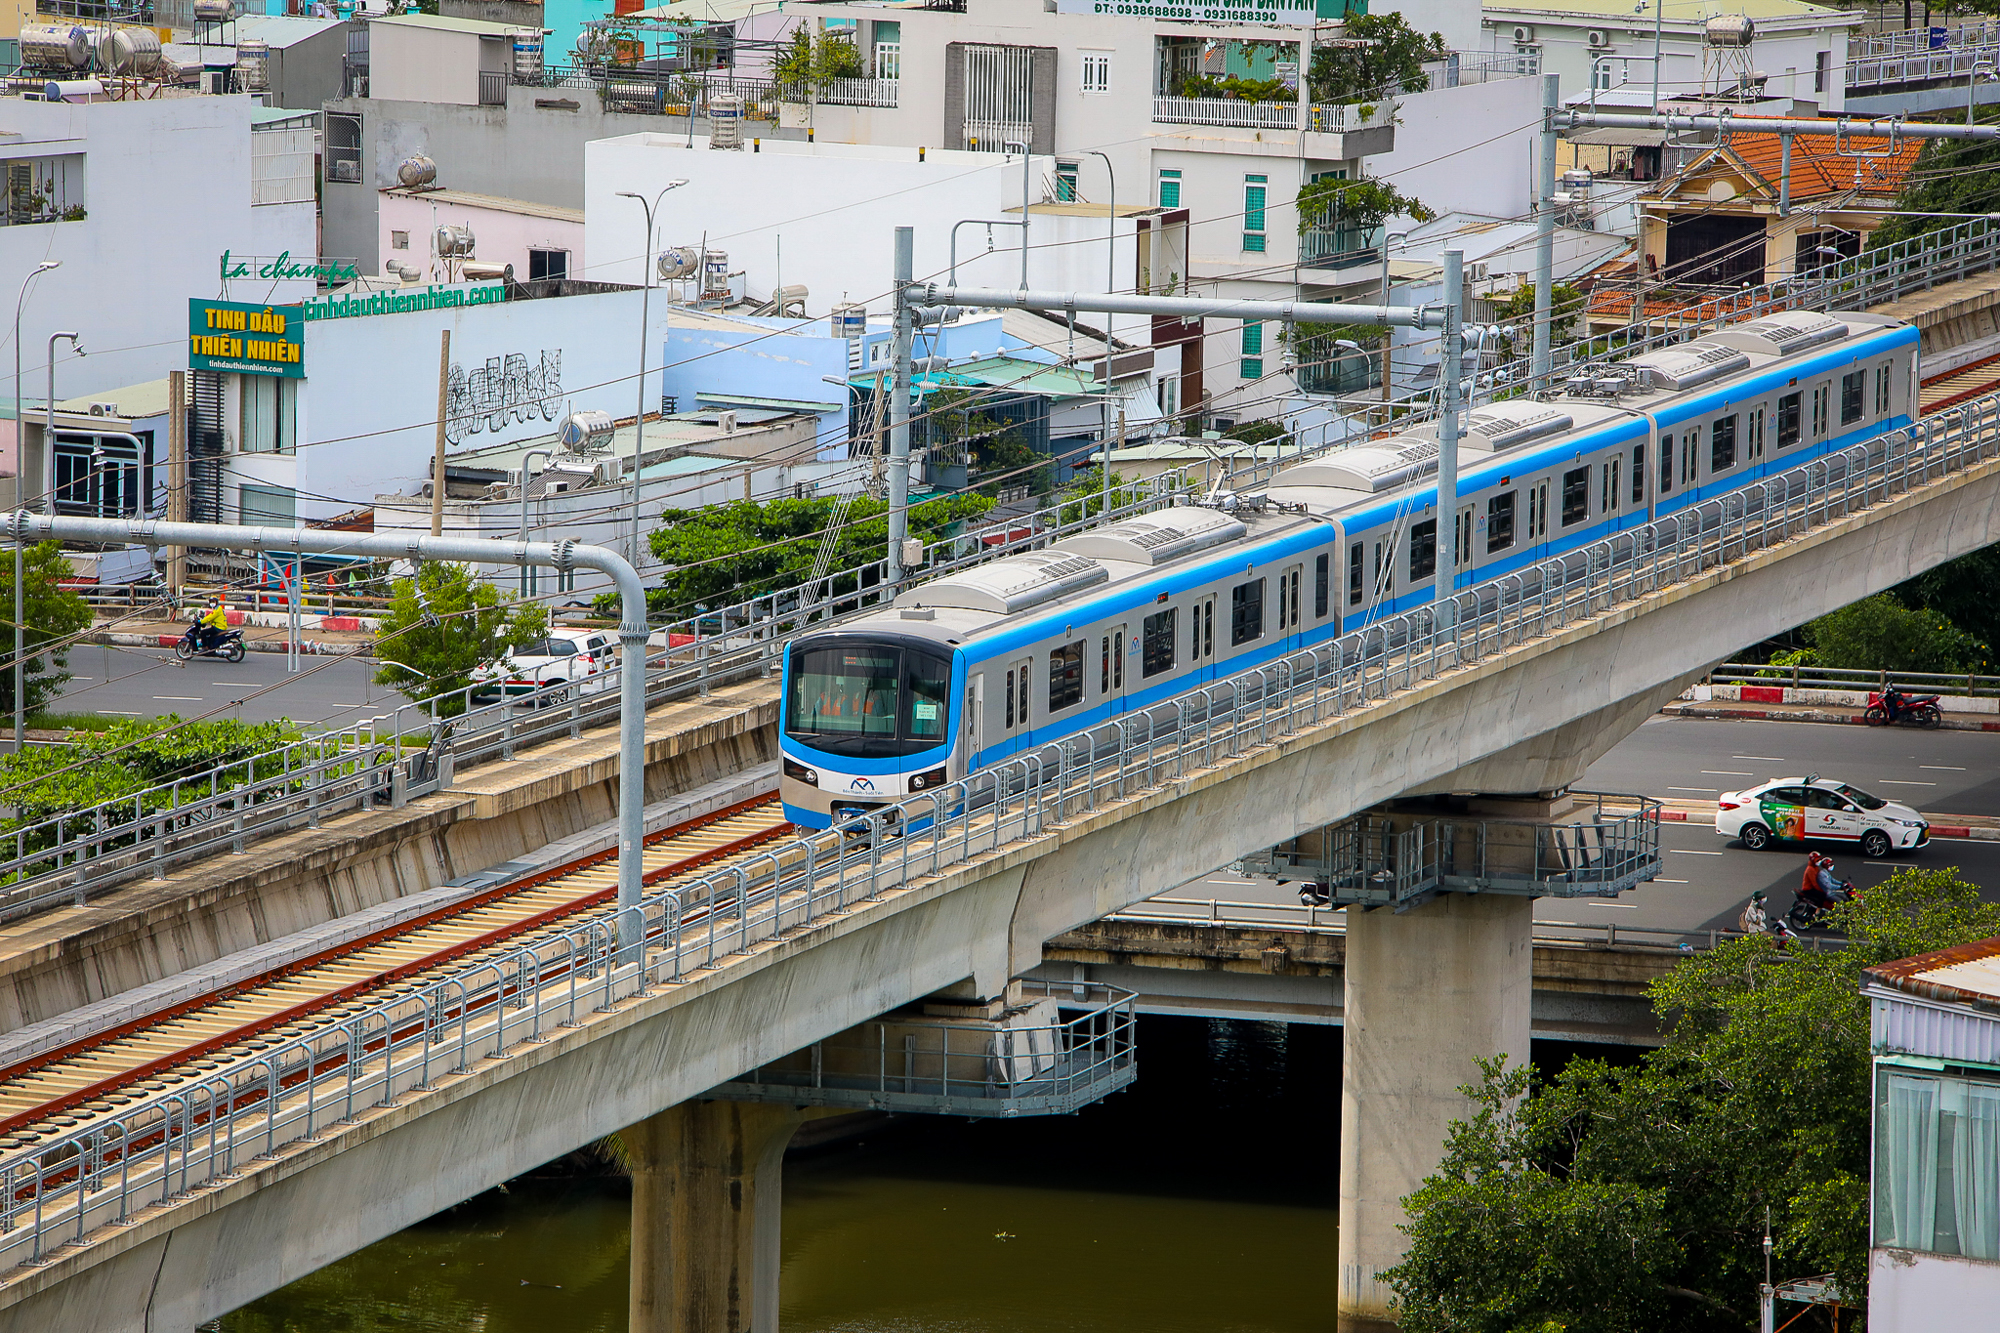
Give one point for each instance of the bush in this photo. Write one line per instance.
(1881, 634)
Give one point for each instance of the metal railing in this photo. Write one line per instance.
(655, 92)
(1323, 118)
(493, 87)
(1943, 64)
(101, 1162)
(1963, 684)
(1934, 37)
(930, 1066)
(845, 92)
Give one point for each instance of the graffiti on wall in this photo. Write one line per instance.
(505, 390)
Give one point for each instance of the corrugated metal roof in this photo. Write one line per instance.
(1943, 1005)
(526, 208)
(441, 23)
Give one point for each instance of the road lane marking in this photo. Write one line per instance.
(180, 698)
(1712, 791)
(1763, 758)
(1879, 863)
(1902, 782)
(119, 712)
(1934, 768)
(1724, 773)
(1571, 924)
(1689, 851)
(1627, 907)
(1662, 880)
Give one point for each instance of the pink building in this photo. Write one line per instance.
(539, 240)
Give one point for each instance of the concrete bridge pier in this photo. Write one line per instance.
(706, 1207)
(1428, 991)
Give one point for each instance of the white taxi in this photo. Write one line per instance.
(1820, 810)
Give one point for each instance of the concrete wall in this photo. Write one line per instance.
(166, 191)
(1469, 148)
(410, 62)
(1909, 1292)
(504, 235)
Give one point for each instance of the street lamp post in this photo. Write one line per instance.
(645, 324)
(1389, 238)
(527, 571)
(20, 457)
(1981, 69)
(1110, 285)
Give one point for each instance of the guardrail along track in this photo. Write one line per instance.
(103, 1062)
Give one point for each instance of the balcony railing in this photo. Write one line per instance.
(845, 92)
(1321, 117)
(1340, 246)
(493, 87)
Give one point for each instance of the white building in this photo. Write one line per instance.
(139, 201)
(1799, 48)
(1934, 1237)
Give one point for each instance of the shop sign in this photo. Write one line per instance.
(270, 268)
(1294, 13)
(246, 339)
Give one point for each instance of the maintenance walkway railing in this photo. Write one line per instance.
(99, 1164)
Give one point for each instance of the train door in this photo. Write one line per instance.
(1111, 668)
(1201, 640)
(1462, 549)
(971, 728)
(1016, 699)
(1289, 602)
(1536, 519)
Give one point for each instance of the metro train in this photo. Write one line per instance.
(971, 667)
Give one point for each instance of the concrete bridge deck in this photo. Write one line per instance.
(446, 1099)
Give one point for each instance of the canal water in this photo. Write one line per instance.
(1200, 1200)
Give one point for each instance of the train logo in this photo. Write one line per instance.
(861, 784)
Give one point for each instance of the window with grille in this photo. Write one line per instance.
(1253, 351)
(1096, 67)
(1065, 182)
(999, 106)
(1255, 190)
(1170, 189)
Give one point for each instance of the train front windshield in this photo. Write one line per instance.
(870, 701)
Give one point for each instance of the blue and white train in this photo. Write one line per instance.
(969, 668)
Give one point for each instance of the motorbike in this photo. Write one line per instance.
(1919, 710)
(1805, 914)
(227, 645)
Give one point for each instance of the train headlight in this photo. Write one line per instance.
(794, 769)
(936, 777)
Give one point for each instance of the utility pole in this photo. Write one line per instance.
(177, 457)
(1542, 362)
(899, 407)
(1451, 365)
(437, 462)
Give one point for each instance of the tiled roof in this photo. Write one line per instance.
(1819, 170)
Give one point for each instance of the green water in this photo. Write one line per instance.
(1200, 1199)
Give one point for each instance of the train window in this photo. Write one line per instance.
(1666, 464)
(1293, 597)
(1246, 612)
(1722, 445)
(1788, 420)
(1638, 474)
(1066, 676)
(1104, 665)
(844, 692)
(1423, 550)
(1853, 396)
(1208, 628)
(1819, 411)
(1576, 496)
(927, 684)
(1010, 699)
(1500, 522)
(1156, 643)
(1354, 577)
(1882, 390)
(1322, 585)
(1608, 491)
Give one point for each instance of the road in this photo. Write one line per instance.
(1705, 881)
(149, 682)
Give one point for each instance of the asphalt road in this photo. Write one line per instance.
(150, 682)
(1706, 881)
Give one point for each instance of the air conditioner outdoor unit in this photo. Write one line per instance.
(339, 170)
(1597, 39)
(1523, 34)
(104, 409)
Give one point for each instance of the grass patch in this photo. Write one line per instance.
(72, 722)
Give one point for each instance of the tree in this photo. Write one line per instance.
(1962, 591)
(1360, 203)
(816, 62)
(1084, 495)
(1395, 60)
(1880, 633)
(726, 553)
(50, 613)
(1950, 176)
(1565, 304)
(442, 624)
(1609, 1199)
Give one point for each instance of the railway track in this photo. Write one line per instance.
(94, 1072)
(1948, 390)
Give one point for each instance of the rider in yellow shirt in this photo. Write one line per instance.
(213, 622)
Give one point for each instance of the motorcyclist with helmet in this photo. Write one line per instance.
(214, 622)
